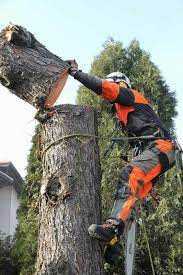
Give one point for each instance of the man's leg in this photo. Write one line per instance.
(135, 184)
(159, 157)
(130, 188)
(114, 226)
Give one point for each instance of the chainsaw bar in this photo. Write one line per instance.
(130, 248)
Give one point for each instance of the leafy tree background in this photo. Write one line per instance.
(7, 263)
(163, 223)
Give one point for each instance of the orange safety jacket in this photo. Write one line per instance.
(132, 109)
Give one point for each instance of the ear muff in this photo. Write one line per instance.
(123, 84)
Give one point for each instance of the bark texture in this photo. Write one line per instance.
(28, 69)
(70, 199)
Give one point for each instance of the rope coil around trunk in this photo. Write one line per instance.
(67, 137)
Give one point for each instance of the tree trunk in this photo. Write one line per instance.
(70, 199)
(28, 69)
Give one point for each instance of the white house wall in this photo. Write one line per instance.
(8, 207)
(13, 211)
(5, 205)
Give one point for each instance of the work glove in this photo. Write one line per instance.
(73, 67)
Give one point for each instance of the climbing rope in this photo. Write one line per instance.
(148, 246)
(67, 137)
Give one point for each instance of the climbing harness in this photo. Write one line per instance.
(137, 139)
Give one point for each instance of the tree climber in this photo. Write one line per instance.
(137, 119)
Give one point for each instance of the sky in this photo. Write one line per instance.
(78, 29)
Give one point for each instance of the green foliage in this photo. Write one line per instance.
(25, 247)
(162, 224)
(7, 263)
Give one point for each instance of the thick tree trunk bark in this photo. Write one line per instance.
(70, 199)
(28, 69)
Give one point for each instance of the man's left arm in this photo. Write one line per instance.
(108, 90)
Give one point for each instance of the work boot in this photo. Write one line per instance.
(106, 232)
(113, 253)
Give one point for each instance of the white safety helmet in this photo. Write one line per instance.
(117, 77)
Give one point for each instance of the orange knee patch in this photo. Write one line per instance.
(127, 208)
(153, 173)
(164, 146)
(130, 202)
(145, 190)
(140, 185)
(138, 179)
